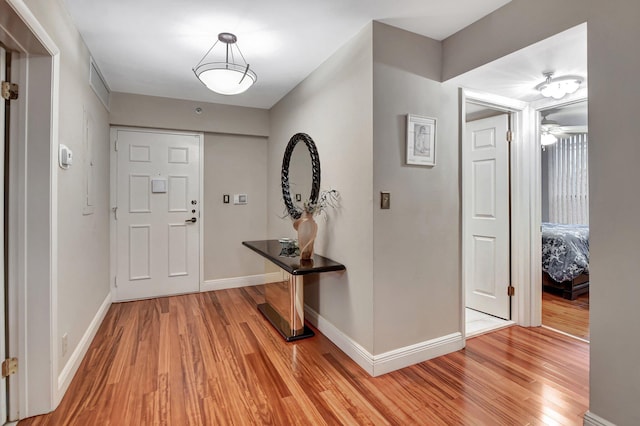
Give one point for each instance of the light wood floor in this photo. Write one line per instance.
(570, 316)
(210, 358)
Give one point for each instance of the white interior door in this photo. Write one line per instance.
(157, 215)
(3, 351)
(486, 216)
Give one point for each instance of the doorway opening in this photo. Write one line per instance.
(565, 218)
(486, 206)
(509, 84)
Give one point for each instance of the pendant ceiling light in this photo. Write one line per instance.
(559, 87)
(226, 77)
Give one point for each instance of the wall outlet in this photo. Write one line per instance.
(65, 342)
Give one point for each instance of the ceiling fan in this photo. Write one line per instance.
(556, 129)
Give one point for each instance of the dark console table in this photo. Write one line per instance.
(284, 301)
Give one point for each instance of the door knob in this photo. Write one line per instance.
(192, 220)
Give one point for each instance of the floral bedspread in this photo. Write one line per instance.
(565, 250)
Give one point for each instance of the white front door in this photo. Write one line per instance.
(485, 178)
(158, 213)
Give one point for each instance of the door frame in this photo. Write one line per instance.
(113, 200)
(3, 324)
(33, 185)
(525, 198)
(535, 118)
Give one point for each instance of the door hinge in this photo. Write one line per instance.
(115, 212)
(115, 281)
(9, 367)
(9, 91)
(115, 145)
(511, 290)
(509, 135)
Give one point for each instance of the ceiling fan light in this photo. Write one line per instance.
(547, 139)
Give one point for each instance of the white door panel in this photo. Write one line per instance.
(486, 216)
(158, 191)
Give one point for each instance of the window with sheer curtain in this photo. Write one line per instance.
(568, 175)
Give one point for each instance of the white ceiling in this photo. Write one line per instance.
(516, 75)
(150, 46)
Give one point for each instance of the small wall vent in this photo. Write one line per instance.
(98, 84)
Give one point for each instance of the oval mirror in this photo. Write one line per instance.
(300, 174)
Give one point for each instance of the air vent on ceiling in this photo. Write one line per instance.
(98, 84)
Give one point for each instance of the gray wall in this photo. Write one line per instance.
(233, 164)
(334, 106)
(417, 241)
(174, 114)
(614, 175)
(82, 285)
(235, 152)
(355, 107)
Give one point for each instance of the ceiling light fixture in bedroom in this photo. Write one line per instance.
(226, 77)
(559, 87)
(547, 138)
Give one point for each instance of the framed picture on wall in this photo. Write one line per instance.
(421, 140)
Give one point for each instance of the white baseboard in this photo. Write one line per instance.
(235, 282)
(70, 369)
(387, 362)
(414, 354)
(360, 355)
(591, 419)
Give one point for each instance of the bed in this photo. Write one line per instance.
(565, 259)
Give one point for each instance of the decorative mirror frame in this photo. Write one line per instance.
(296, 212)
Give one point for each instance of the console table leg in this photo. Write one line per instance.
(296, 294)
(284, 308)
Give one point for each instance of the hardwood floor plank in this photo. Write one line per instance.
(569, 316)
(211, 358)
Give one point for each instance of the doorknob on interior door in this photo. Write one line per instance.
(192, 220)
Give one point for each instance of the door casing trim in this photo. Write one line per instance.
(525, 199)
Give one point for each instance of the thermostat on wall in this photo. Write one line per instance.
(65, 157)
(239, 198)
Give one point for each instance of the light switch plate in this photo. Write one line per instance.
(240, 199)
(385, 200)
